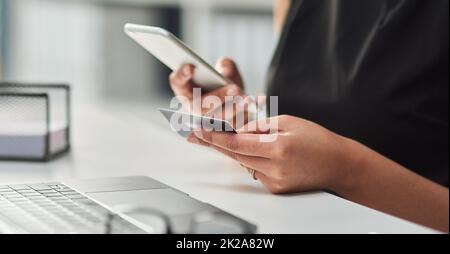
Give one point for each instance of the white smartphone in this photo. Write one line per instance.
(171, 51)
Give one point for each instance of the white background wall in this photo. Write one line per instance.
(2, 36)
(55, 41)
(81, 42)
(246, 38)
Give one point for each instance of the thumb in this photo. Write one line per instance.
(262, 126)
(229, 70)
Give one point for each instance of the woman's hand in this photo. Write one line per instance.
(306, 157)
(182, 84)
(302, 156)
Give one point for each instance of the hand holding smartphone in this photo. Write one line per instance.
(171, 51)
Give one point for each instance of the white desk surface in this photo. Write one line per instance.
(116, 140)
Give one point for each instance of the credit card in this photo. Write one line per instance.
(186, 123)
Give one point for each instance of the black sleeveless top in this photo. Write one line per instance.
(375, 71)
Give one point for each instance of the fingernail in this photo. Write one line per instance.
(241, 130)
(227, 72)
(225, 62)
(220, 69)
(233, 91)
(187, 70)
(193, 140)
(198, 133)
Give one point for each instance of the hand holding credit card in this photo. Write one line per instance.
(185, 123)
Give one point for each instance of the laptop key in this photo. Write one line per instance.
(7, 192)
(19, 187)
(69, 192)
(52, 195)
(57, 198)
(76, 196)
(9, 196)
(35, 197)
(26, 191)
(31, 194)
(39, 187)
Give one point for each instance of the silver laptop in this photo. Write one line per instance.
(126, 205)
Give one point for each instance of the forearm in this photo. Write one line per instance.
(377, 182)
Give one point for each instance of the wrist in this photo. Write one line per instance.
(350, 170)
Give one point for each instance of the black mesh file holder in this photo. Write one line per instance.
(34, 121)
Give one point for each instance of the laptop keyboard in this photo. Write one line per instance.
(55, 208)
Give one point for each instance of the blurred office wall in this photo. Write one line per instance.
(248, 38)
(55, 41)
(81, 42)
(2, 36)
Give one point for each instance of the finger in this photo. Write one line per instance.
(260, 173)
(231, 90)
(262, 126)
(181, 81)
(258, 163)
(229, 97)
(262, 165)
(229, 69)
(196, 141)
(279, 123)
(263, 178)
(245, 144)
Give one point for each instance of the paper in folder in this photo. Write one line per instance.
(34, 121)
